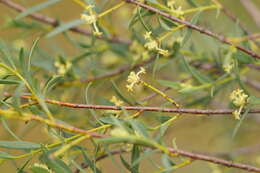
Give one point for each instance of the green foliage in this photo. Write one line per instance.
(110, 83)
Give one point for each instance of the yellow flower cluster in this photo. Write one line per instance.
(153, 44)
(239, 99)
(227, 67)
(62, 68)
(91, 18)
(134, 78)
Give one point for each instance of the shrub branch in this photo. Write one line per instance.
(194, 27)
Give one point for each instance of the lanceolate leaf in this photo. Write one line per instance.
(64, 27)
(19, 145)
(37, 8)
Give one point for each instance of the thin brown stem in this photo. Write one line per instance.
(192, 26)
(194, 156)
(215, 160)
(139, 108)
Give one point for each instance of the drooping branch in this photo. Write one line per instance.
(192, 26)
(53, 22)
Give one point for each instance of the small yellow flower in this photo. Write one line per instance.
(89, 19)
(236, 114)
(179, 11)
(163, 52)
(170, 3)
(151, 45)
(147, 36)
(116, 101)
(227, 67)
(62, 67)
(134, 79)
(238, 97)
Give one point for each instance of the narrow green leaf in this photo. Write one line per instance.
(90, 163)
(21, 170)
(37, 8)
(254, 100)
(167, 163)
(6, 127)
(120, 94)
(192, 3)
(54, 80)
(238, 125)
(134, 157)
(19, 145)
(188, 33)
(22, 61)
(4, 49)
(65, 27)
(125, 163)
(139, 128)
(40, 168)
(31, 53)
(57, 165)
(4, 155)
(203, 79)
(171, 84)
(9, 82)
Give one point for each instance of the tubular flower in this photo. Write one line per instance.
(134, 79)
